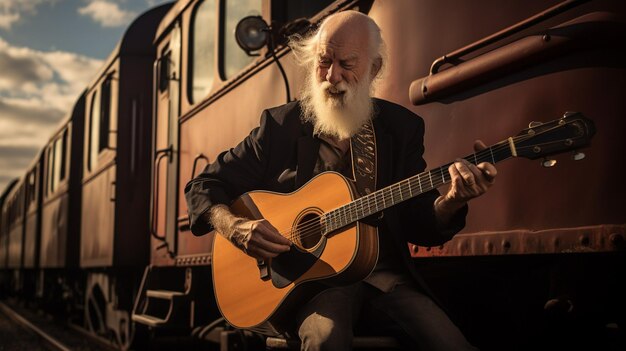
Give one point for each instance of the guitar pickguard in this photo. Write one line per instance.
(289, 266)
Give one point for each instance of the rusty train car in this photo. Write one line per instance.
(540, 264)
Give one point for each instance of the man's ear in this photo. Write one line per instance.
(376, 66)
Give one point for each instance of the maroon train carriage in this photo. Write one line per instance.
(4, 238)
(516, 254)
(58, 280)
(114, 239)
(539, 265)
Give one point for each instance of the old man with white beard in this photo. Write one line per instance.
(299, 140)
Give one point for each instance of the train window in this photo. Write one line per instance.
(164, 72)
(203, 48)
(64, 155)
(234, 58)
(94, 126)
(32, 188)
(105, 114)
(51, 159)
(58, 162)
(48, 162)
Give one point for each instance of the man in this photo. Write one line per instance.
(298, 140)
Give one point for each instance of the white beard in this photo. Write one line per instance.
(340, 116)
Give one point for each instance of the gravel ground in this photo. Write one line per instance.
(15, 338)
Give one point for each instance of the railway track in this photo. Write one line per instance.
(49, 335)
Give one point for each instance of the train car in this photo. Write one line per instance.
(4, 238)
(114, 237)
(62, 157)
(32, 226)
(528, 62)
(15, 234)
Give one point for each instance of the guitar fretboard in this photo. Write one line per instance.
(406, 189)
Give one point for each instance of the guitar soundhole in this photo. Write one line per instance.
(308, 230)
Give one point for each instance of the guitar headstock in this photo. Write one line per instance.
(569, 133)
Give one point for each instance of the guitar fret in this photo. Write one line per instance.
(431, 179)
(475, 161)
(443, 177)
(410, 191)
(400, 190)
(419, 181)
(492, 158)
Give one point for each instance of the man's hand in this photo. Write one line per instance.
(468, 181)
(257, 238)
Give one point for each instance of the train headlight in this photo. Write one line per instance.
(252, 33)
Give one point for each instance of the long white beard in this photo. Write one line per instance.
(339, 116)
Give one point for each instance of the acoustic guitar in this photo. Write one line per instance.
(331, 244)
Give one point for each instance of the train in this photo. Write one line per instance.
(96, 229)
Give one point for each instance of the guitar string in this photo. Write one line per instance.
(308, 228)
(302, 230)
(387, 194)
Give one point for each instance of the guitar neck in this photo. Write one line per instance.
(408, 188)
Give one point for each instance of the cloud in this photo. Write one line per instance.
(37, 88)
(12, 11)
(107, 13)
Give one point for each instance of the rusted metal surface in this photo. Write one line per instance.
(543, 89)
(454, 57)
(595, 31)
(591, 239)
(572, 194)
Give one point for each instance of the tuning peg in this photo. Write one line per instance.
(577, 156)
(569, 113)
(547, 163)
(534, 124)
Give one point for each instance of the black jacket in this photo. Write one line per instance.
(280, 156)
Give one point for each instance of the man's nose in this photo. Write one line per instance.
(333, 76)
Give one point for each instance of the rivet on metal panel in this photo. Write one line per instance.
(584, 240)
(488, 247)
(414, 248)
(546, 37)
(616, 239)
(506, 245)
(428, 249)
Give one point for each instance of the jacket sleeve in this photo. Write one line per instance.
(419, 213)
(234, 172)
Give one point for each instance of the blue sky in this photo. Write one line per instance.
(49, 51)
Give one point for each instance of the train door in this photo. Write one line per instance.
(166, 156)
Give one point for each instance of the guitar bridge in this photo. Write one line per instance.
(264, 270)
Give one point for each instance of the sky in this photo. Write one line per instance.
(49, 51)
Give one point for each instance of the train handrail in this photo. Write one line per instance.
(198, 157)
(159, 155)
(454, 56)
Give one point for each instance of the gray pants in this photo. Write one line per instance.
(328, 320)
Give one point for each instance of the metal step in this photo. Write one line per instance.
(164, 294)
(150, 321)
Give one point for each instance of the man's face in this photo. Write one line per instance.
(336, 94)
(342, 61)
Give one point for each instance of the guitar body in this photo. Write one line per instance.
(266, 304)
